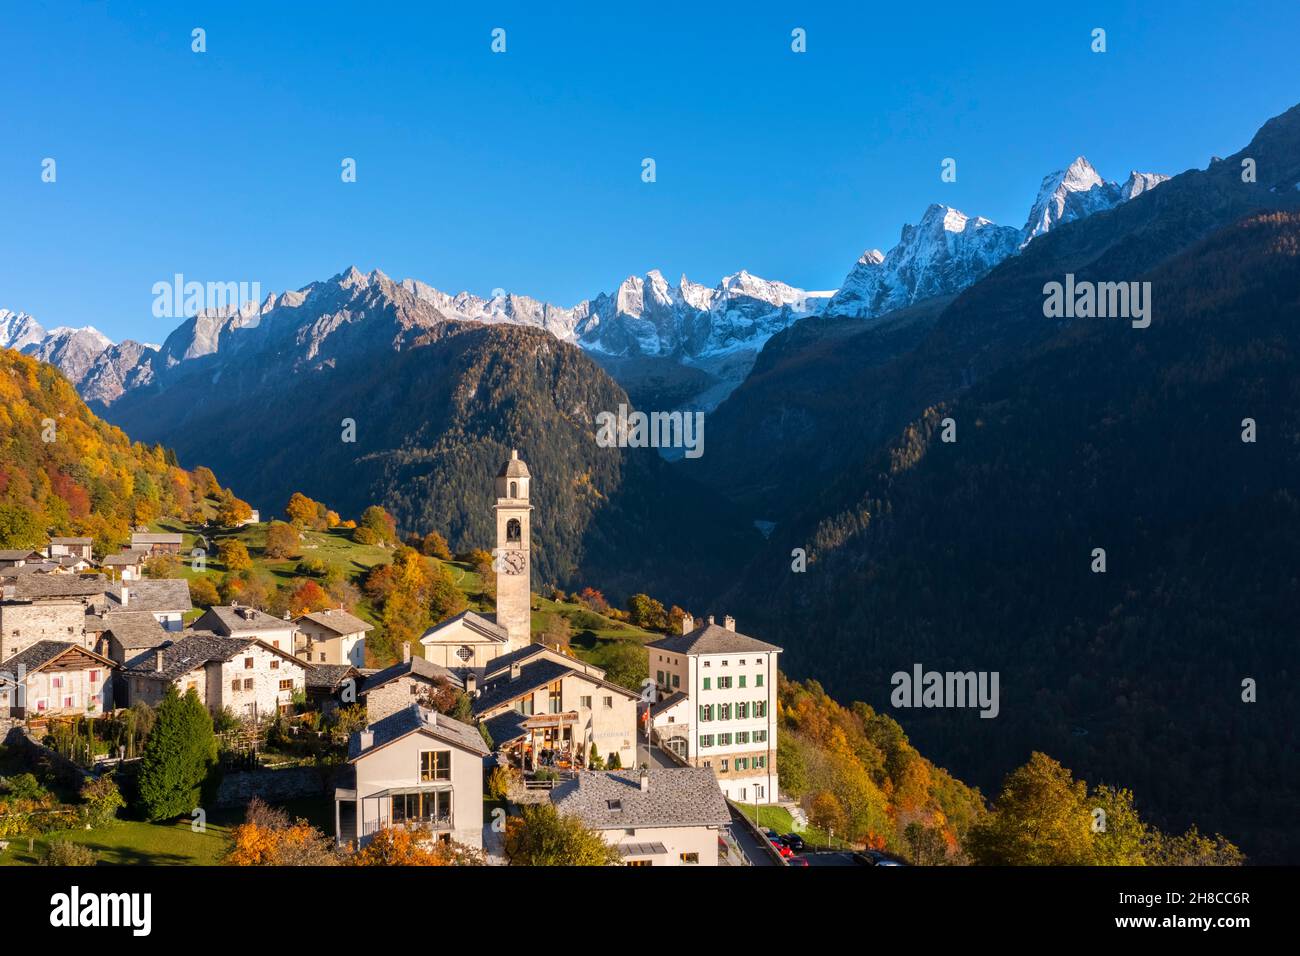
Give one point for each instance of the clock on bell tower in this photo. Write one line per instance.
(511, 560)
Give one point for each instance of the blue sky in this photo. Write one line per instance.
(522, 170)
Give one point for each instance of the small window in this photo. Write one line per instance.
(609, 702)
(275, 666)
(707, 682)
(286, 684)
(677, 681)
(234, 684)
(584, 702)
(614, 804)
(248, 683)
(94, 676)
(248, 663)
(435, 765)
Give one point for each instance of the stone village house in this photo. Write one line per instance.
(247, 675)
(51, 678)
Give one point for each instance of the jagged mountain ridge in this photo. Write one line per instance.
(947, 251)
(712, 333)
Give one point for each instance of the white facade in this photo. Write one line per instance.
(730, 723)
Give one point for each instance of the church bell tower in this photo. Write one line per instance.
(511, 560)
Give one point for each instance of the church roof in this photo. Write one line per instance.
(475, 622)
(514, 468)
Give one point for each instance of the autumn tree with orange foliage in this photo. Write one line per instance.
(267, 837)
(854, 770)
(308, 596)
(396, 846)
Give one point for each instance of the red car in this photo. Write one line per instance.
(780, 847)
(799, 861)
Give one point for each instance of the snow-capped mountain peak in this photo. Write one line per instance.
(1068, 194)
(947, 250)
(942, 254)
(1138, 183)
(18, 330)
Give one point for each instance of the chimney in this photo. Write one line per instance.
(710, 619)
(729, 622)
(471, 684)
(367, 739)
(645, 781)
(406, 652)
(126, 595)
(286, 616)
(158, 660)
(514, 670)
(688, 623)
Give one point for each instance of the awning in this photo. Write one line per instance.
(642, 849)
(406, 791)
(544, 721)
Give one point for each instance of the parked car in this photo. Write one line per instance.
(799, 861)
(780, 847)
(875, 858)
(795, 842)
(771, 834)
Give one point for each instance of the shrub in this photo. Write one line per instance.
(101, 799)
(67, 853)
(500, 782)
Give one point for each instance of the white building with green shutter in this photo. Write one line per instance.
(728, 722)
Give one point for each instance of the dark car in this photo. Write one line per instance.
(875, 858)
(799, 861)
(795, 842)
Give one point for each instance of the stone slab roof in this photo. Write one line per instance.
(155, 595)
(330, 676)
(337, 620)
(675, 797)
(235, 619)
(37, 587)
(135, 629)
(416, 719)
(416, 667)
(41, 653)
(713, 639)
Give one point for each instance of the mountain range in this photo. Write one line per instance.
(673, 345)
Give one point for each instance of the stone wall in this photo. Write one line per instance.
(22, 625)
(273, 786)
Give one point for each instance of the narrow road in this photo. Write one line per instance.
(748, 843)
